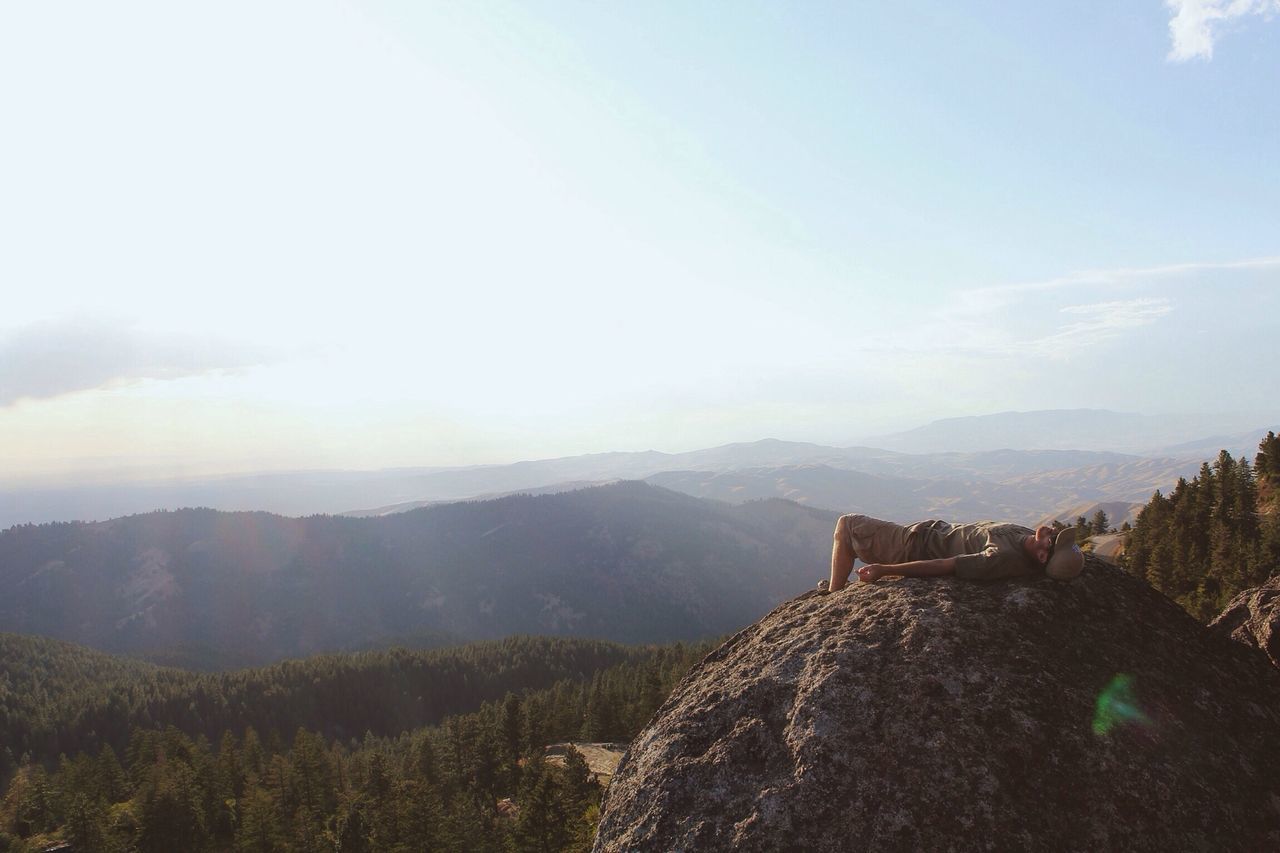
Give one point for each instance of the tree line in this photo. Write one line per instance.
(1213, 536)
(475, 782)
(59, 698)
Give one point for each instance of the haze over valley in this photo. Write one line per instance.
(1024, 467)
(629, 547)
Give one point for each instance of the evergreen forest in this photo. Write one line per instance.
(319, 755)
(1214, 535)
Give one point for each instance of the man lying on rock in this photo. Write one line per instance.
(987, 550)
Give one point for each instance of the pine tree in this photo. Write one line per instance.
(470, 829)
(1267, 462)
(259, 830)
(1250, 571)
(651, 697)
(420, 815)
(7, 762)
(228, 787)
(1100, 523)
(582, 832)
(86, 824)
(251, 754)
(308, 835)
(600, 720)
(112, 782)
(422, 760)
(28, 805)
(533, 733)
(311, 774)
(511, 728)
(541, 825)
(1185, 523)
(1137, 552)
(140, 755)
(169, 814)
(580, 787)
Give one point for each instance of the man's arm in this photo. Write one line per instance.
(916, 569)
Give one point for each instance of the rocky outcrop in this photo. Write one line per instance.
(1253, 618)
(950, 715)
(602, 758)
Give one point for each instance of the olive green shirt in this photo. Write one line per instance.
(985, 550)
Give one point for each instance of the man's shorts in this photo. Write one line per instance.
(874, 540)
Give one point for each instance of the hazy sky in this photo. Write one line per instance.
(243, 235)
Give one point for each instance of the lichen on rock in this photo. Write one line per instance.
(917, 714)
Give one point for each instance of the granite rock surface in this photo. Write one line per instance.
(1253, 618)
(916, 714)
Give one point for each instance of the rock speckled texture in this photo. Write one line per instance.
(1253, 618)
(917, 714)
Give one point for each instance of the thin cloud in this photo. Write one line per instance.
(1091, 325)
(1195, 24)
(981, 299)
(1099, 322)
(58, 357)
(987, 322)
(1123, 313)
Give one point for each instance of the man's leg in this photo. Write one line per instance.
(842, 554)
(871, 540)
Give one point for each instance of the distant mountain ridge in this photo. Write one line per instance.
(1070, 429)
(990, 447)
(955, 495)
(1017, 485)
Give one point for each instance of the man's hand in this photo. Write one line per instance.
(871, 572)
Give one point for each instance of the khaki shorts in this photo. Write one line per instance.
(872, 539)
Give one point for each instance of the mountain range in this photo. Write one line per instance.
(1019, 465)
(1080, 429)
(629, 547)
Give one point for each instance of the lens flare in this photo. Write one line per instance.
(1116, 705)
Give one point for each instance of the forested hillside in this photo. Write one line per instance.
(58, 698)
(267, 780)
(1214, 535)
(627, 562)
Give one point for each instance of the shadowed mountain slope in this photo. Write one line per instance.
(627, 562)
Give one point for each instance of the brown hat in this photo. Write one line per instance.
(1067, 560)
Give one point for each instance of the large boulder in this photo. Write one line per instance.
(917, 714)
(1253, 618)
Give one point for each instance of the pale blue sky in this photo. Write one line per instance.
(280, 234)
